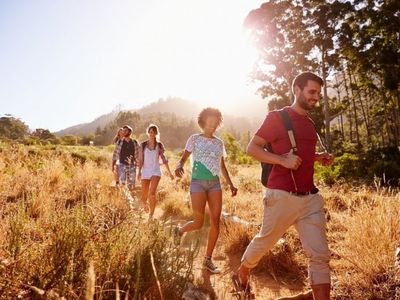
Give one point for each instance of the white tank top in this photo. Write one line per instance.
(151, 164)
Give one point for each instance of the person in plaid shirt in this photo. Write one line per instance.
(127, 153)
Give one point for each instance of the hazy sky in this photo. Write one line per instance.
(67, 62)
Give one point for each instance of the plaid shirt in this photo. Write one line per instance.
(117, 151)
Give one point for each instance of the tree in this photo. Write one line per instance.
(12, 128)
(69, 140)
(356, 47)
(278, 32)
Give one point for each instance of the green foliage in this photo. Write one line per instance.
(69, 140)
(348, 166)
(383, 164)
(234, 151)
(327, 175)
(85, 140)
(12, 128)
(355, 44)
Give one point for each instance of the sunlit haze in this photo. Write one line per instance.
(67, 62)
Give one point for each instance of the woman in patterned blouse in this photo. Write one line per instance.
(208, 154)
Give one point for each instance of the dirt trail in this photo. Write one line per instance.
(219, 286)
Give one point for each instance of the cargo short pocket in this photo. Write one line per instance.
(269, 198)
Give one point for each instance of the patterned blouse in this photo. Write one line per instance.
(206, 156)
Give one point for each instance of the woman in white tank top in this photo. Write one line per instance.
(151, 157)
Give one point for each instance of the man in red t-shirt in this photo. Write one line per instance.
(291, 197)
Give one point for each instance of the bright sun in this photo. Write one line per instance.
(198, 51)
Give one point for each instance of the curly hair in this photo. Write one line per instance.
(209, 112)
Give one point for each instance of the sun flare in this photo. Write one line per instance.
(185, 54)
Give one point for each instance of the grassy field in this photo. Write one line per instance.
(65, 231)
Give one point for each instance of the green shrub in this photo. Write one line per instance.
(383, 163)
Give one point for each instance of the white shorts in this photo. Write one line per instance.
(147, 174)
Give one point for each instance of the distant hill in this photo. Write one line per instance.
(183, 109)
(89, 128)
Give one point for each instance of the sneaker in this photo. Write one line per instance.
(209, 265)
(177, 236)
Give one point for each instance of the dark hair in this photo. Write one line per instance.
(209, 112)
(127, 127)
(154, 127)
(301, 80)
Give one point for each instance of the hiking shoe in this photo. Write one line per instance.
(209, 265)
(177, 236)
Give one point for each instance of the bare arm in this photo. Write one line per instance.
(140, 162)
(169, 170)
(179, 168)
(225, 173)
(256, 150)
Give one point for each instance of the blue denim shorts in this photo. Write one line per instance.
(204, 186)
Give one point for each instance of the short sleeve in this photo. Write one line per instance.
(267, 130)
(190, 143)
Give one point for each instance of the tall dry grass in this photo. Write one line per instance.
(65, 231)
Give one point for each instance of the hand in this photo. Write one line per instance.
(234, 190)
(291, 161)
(179, 171)
(324, 158)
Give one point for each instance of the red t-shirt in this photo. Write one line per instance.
(273, 130)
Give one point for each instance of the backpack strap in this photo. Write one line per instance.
(288, 125)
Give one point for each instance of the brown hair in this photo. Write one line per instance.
(128, 127)
(116, 138)
(155, 128)
(301, 80)
(209, 112)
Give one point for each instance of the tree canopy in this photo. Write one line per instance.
(12, 128)
(353, 45)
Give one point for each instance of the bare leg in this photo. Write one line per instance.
(152, 193)
(145, 192)
(215, 206)
(198, 205)
(321, 291)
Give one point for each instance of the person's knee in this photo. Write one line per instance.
(319, 270)
(320, 261)
(198, 223)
